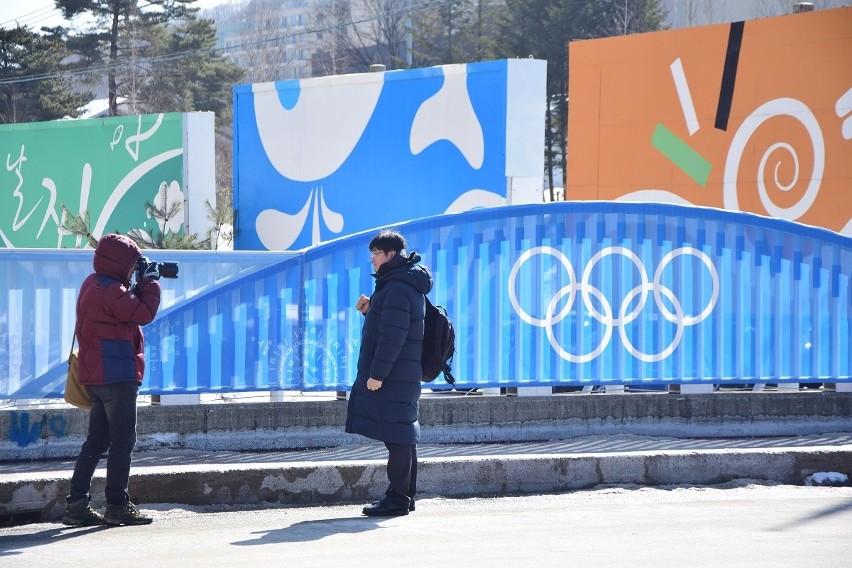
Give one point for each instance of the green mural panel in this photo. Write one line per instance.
(109, 167)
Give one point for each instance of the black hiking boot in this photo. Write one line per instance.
(81, 514)
(125, 514)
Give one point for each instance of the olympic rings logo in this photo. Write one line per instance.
(605, 316)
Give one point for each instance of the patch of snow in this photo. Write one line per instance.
(827, 478)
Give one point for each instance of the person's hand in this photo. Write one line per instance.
(363, 304)
(152, 272)
(374, 384)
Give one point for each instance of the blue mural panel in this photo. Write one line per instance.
(325, 157)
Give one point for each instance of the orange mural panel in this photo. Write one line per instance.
(751, 116)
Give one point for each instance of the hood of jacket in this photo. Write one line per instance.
(115, 255)
(405, 269)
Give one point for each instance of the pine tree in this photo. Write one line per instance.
(103, 45)
(32, 87)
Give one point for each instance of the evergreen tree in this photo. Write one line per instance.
(177, 69)
(102, 45)
(459, 31)
(32, 87)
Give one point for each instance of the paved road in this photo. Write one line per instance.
(737, 524)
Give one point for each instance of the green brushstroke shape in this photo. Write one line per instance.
(681, 154)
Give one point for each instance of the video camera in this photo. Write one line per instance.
(163, 269)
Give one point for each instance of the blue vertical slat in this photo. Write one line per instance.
(264, 315)
(6, 301)
(202, 353)
(741, 278)
(619, 291)
(307, 332)
(816, 314)
(722, 258)
(289, 356)
(775, 308)
(797, 339)
(834, 354)
(505, 319)
(218, 380)
(577, 347)
(540, 349)
(240, 347)
(783, 327)
(484, 361)
(462, 308)
(192, 341)
(527, 284)
(354, 324)
(330, 378)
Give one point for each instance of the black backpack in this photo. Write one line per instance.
(439, 344)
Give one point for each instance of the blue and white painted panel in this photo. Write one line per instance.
(325, 157)
(574, 293)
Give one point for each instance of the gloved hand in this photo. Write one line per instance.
(152, 272)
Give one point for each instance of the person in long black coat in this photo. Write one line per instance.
(383, 403)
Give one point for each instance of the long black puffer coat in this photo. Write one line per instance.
(391, 345)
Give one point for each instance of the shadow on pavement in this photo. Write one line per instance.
(305, 531)
(815, 516)
(12, 545)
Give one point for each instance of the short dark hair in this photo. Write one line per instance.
(388, 240)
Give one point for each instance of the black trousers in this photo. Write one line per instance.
(402, 473)
(112, 426)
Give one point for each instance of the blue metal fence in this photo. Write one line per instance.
(588, 293)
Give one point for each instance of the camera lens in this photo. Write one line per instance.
(168, 269)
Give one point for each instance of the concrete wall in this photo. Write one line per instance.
(39, 434)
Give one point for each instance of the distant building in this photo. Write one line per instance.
(274, 40)
(267, 38)
(689, 13)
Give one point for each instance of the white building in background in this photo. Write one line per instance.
(267, 38)
(689, 13)
(295, 39)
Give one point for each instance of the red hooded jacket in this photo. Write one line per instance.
(110, 313)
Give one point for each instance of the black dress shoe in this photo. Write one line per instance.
(384, 508)
(411, 503)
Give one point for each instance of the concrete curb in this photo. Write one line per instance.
(314, 483)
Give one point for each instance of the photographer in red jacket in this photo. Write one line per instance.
(111, 365)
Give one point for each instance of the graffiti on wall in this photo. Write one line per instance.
(26, 429)
(751, 116)
(107, 167)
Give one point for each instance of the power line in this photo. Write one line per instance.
(34, 17)
(180, 55)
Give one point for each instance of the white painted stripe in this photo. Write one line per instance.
(15, 323)
(44, 335)
(69, 318)
(685, 97)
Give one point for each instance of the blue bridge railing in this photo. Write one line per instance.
(572, 293)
